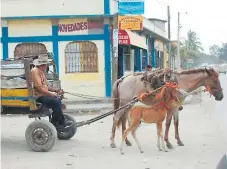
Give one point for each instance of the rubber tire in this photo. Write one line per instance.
(72, 132)
(49, 128)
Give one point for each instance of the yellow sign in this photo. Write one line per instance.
(130, 22)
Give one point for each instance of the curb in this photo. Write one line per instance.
(91, 101)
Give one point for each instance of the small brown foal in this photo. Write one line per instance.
(155, 114)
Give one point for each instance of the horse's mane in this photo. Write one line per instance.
(190, 71)
(193, 71)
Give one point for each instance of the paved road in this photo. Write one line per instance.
(200, 130)
(221, 108)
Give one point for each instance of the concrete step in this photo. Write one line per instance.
(88, 108)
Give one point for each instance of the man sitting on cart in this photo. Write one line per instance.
(45, 95)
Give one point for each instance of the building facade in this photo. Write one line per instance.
(79, 36)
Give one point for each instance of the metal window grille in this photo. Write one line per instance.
(81, 57)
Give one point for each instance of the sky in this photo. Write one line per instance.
(206, 17)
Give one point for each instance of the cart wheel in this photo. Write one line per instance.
(69, 132)
(41, 135)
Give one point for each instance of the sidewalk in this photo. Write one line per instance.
(93, 106)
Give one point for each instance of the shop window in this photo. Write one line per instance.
(81, 57)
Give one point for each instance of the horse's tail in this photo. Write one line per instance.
(115, 94)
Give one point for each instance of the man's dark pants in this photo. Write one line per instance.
(55, 104)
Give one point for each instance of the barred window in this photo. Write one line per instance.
(81, 57)
(29, 49)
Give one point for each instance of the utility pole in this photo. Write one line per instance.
(178, 44)
(115, 49)
(169, 37)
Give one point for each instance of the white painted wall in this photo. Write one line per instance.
(12, 47)
(51, 7)
(84, 83)
(113, 6)
(19, 28)
(149, 25)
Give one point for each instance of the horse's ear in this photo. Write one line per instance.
(208, 72)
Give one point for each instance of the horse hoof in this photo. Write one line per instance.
(128, 143)
(180, 143)
(112, 145)
(141, 151)
(169, 145)
(122, 153)
(181, 108)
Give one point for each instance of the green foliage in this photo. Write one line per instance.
(191, 48)
(219, 52)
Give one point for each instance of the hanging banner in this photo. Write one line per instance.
(134, 7)
(130, 22)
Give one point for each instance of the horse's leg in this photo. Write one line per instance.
(124, 119)
(116, 118)
(168, 122)
(126, 132)
(135, 137)
(160, 136)
(158, 139)
(176, 125)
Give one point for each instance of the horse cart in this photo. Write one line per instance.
(17, 92)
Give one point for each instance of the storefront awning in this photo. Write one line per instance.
(126, 37)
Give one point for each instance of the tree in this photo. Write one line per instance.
(223, 52)
(214, 50)
(191, 48)
(192, 42)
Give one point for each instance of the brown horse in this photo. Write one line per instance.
(154, 114)
(129, 87)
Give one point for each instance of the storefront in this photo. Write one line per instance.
(79, 46)
(132, 52)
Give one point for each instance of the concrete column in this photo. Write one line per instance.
(153, 53)
(55, 42)
(108, 58)
(5, 35)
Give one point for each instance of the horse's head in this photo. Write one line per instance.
(171, 96)
(213, 85)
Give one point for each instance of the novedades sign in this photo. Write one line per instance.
(79, 26)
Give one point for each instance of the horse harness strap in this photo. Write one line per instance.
(164, 105)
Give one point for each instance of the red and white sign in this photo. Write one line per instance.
(123, 38)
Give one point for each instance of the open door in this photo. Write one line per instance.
(120, 62)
